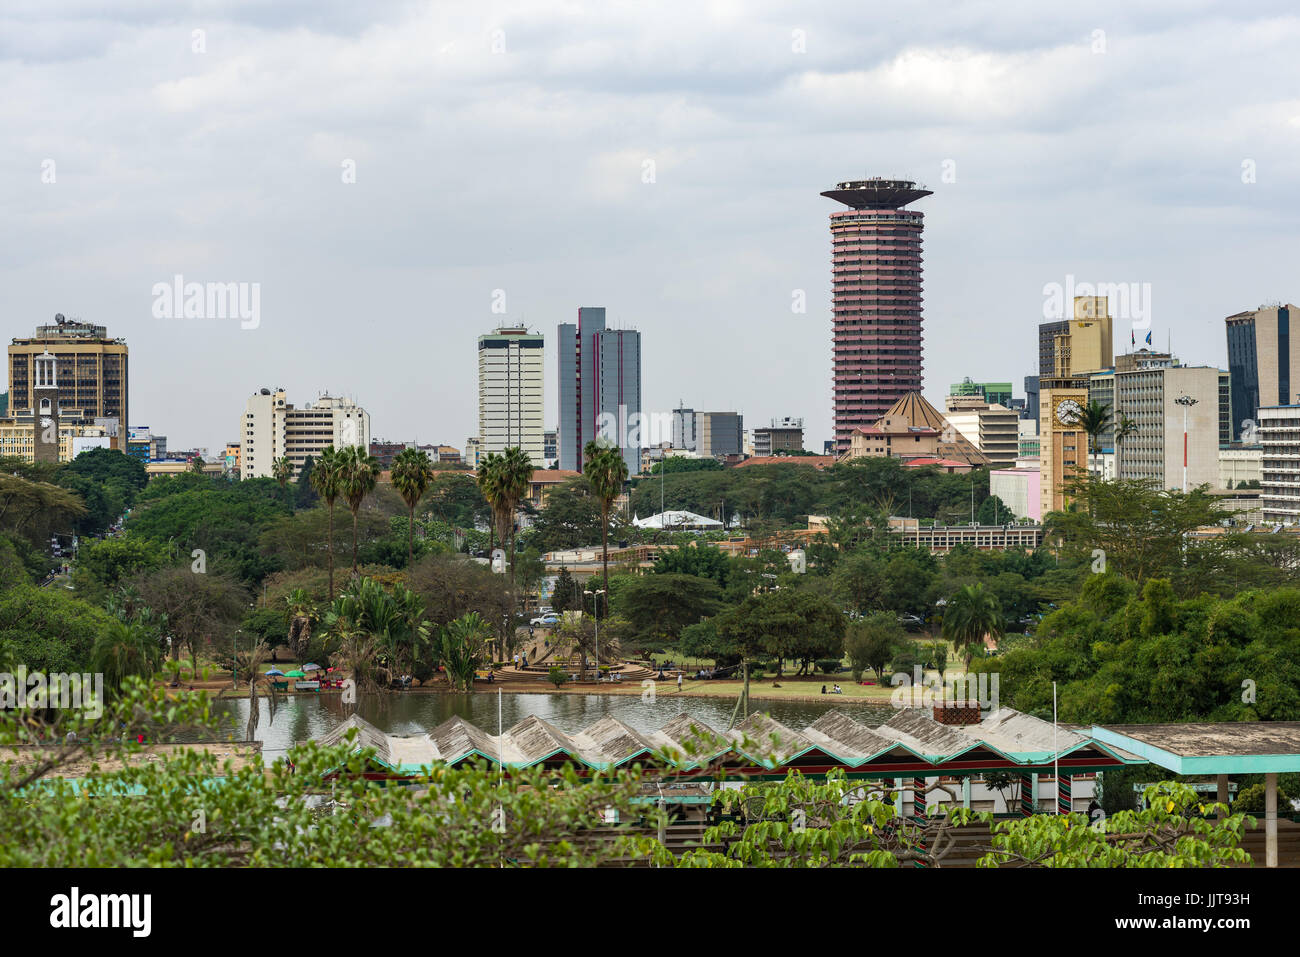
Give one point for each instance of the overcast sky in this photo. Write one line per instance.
(506, 146)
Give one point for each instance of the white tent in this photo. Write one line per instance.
(676, 520)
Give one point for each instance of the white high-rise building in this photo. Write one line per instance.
(272, 428)
(510, 397)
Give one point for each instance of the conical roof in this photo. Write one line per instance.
(917, 412)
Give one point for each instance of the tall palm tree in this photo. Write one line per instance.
(970, 615)
(516, 474)
(325, 480)
(282, 470)
(1094, 420)
(1124, 427)
(490, 485)
(358, 475)
(606, 472)
(412, 473)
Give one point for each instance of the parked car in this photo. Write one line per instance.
(545, 621)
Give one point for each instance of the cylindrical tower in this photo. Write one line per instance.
(876, 304)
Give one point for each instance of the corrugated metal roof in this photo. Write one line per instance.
(910, 736)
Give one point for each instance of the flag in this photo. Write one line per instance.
(1133, 339)
(1148, 338)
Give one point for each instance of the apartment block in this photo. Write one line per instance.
(272, 428)
(1279, 437)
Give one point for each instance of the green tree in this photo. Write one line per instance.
(463, 647)
(281, 471)
(871, 643)
(971, 615)
(1095, 419)
(326, 479)
(606, 471)
(412, 472)
(358, 474)
(660, 606)
(564, 596)
(124, 649)
(516, 474)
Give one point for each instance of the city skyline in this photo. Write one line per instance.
(140, 157)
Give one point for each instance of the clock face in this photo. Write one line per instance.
(1068, 411)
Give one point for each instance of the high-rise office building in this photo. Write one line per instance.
(1263, 362)
(684, 429)
(271, 429)
(876, 300)
(719, 433)
(600, 389)
(1150, 398)
(91, 369)
(511, 377)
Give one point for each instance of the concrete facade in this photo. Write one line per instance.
(511, 382)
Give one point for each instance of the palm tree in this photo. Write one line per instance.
(606, 472)
(1094, 420)
(515, 476)
(300, 612)
(1124, 427)
(358, 475)
(970, 615)
(123, 649)
(282, 470)
(412, 473)
(325, 480)
(490, 485)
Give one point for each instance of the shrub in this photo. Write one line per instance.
(905, 660)
(557, 675)
(828, 666)
(1251, 801)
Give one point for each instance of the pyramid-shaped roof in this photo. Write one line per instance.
(913, 407)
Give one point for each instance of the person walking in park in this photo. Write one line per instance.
(679, 682)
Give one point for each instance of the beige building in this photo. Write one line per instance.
(272, 428)
(893, 436)
(992, 428)
(1084, 347)
(1240, 465)
(1157, 399)
(91, 369)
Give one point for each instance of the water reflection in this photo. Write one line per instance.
(301, 717)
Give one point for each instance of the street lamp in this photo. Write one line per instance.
(1186, 401)
(595, 610)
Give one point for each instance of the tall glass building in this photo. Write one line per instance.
(600, 388)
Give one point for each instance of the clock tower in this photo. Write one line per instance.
(45, 409)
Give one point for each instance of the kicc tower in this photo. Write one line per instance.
(876, 299)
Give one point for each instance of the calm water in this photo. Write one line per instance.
(301, 717)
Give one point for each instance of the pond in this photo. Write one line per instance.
(301, 717)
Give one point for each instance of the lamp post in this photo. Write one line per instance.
(1186, 401)
(595, 610)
